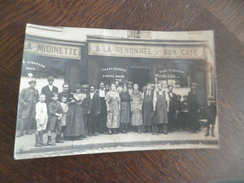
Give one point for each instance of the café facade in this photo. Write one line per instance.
(137, 57)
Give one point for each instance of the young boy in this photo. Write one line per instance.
(41, 120)
(211, 115)
(55, 115)
(65, 108)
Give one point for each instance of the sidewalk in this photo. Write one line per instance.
(25, 145)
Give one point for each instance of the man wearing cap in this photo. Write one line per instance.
(194, 107)
(28, 98)
(49, 90)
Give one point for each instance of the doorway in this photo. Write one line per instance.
(140, 76)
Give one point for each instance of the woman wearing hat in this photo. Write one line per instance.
(113, 110)
(75, 127)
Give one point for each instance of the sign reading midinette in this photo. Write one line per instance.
(52, 50)
(148, 51)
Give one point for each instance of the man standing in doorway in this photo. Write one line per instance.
(28, 98)
(49, 90)
(172, 108)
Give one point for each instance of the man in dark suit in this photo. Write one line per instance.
(172, 108)
(194, 107)
(49, 90)
(93, 111)
(102, 117)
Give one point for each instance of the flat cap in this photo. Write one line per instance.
(85, 86)
(50, 78)
(32, 81)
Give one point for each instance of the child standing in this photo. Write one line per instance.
(41, 120)
(55, 115)
(65, 108)
(211, 115)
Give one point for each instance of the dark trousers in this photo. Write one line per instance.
(92, 122)
(184, 122)
(102, 117)
(194, 120)
(28, 116)
(171, 121)
(85, 116)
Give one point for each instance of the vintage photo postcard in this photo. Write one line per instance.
(86, 91)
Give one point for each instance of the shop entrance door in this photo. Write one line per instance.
(140, 76)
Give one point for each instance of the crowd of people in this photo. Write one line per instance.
(86, 111)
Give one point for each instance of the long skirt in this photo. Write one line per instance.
(75, 123)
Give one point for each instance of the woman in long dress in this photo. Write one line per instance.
(113, 110)
(136, 108)
(125, 110)
(75, 128)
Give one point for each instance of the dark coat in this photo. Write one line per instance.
(28, 95)
(173, 103)
(194, 102)
(46, 91)
(67, 94)
(94, 103)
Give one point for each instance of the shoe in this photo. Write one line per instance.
(50, 143)
(90, 134)
(58, 140)
(96, 134)
(42, 143)
(28, 133)
(165, 133)
(38, 145)
(20, 134)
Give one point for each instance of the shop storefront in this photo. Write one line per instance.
(177, 63)
(138, 59)
(62, 59)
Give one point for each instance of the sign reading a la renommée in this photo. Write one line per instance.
(148, 51)
(53, 50)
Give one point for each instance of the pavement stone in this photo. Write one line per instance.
(25, 149)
